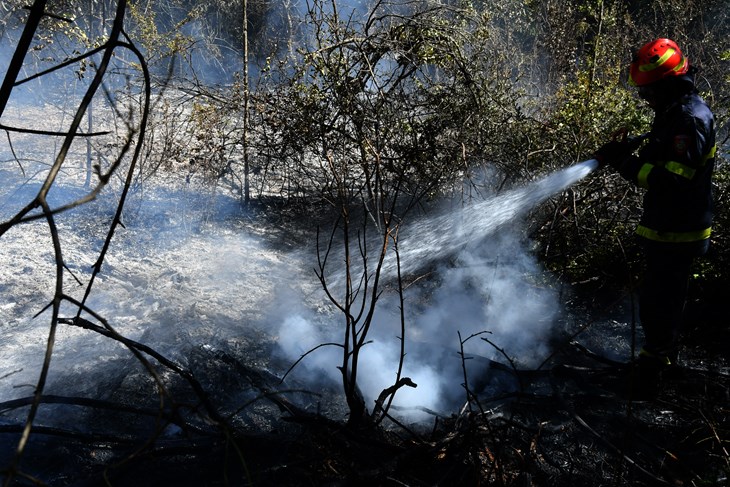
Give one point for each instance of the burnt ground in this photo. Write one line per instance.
(569, 423)
(225, 417)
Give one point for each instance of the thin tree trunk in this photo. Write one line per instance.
(90, 110)
(246, 182)
(90, 118)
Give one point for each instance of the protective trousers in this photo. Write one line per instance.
(662, 298)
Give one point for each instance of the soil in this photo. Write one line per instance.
(227, 417)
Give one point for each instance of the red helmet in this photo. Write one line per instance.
(656, 60)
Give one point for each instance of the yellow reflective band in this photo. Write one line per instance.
(662, 359)
(709, 155)
(680, 169)
(662, 60)
(642, 179)
(679, 66)
(674, 237)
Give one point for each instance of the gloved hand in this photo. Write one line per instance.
(613, 153)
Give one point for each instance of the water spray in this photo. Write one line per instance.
(428, 239)
(467, 299)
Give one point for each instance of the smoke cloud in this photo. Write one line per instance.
(489, 291)
(492, 290)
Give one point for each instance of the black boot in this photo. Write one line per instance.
(645, 376)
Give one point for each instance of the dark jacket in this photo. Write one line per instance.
(675, 167)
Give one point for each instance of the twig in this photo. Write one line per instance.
(12, 151)
(720, 442)
(509, 360)
(388, 393)
(469, 394)
(200, 392)
(402, 338)
(170, 415)
(10, 373)
(8, 128)
(595, 356)
(613, 448)
(16, 63)
(307, 353)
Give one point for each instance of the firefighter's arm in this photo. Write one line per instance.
(672, 163)
(620, 148)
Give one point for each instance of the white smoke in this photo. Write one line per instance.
(489, 292)
(493, 289)
(178, 276)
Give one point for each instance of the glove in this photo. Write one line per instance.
(613, 153)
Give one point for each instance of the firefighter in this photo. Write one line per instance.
(675, 167)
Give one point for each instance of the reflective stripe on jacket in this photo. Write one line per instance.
(675, 167)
